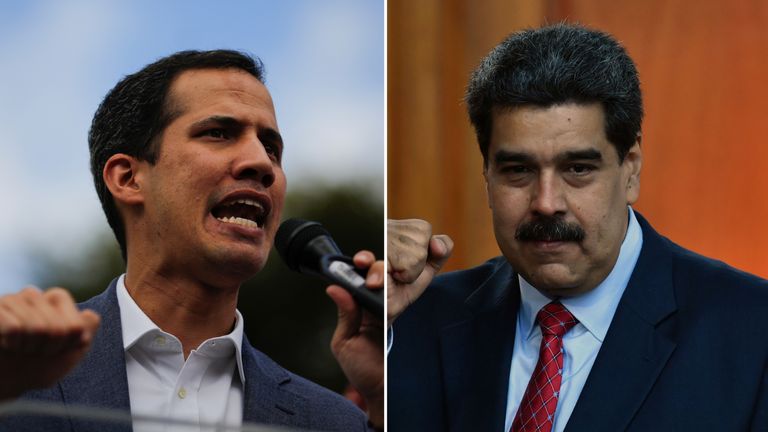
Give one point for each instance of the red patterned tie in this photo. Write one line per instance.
(537, 409)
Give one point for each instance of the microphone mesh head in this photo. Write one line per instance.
(293, 236)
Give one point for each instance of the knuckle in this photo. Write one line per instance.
(421, 230)
(30, 293)
(88, 317)
(412, 260)
(7, 301)
(59, 295)
(421, 254)
(74, 328)
(422, 225)
(377, 266)
(447, 240)
(409, 225)
(398, 261)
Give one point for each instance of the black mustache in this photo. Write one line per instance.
(549, 229)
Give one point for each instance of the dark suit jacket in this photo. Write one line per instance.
(271, 394)
(687, 350)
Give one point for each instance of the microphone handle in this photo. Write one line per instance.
(340, 270)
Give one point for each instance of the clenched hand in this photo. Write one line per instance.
(43, 335)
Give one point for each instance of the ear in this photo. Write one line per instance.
(631, 167)
(124, 177)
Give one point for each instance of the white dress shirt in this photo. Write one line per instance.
(204, 389)
(594, 310)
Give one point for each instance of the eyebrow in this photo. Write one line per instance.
(224, 121)
(506, 156)
(231, 122)
(586, 154)
(503, 156)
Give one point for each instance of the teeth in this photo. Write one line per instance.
(249, 202)
(239, 221)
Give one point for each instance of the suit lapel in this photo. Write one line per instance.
(477, 353)
(264, 401)
(100, 379)
(633, 352)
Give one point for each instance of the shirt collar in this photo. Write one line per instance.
(136, 324)
(593, 309)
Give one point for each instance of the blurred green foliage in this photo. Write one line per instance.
(287, 315)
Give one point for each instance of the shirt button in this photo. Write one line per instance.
(182, 393)
(160, 340)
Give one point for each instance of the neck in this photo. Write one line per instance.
(181, 305)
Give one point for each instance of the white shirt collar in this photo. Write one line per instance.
(593, 309)
(136, 324)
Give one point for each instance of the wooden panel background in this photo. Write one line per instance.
(703, 68)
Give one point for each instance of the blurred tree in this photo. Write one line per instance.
(287, 315)
(85, 272)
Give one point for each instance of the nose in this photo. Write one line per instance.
(548, 197)
(253, 162)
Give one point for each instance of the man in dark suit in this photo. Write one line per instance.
(187, 160)
(591, 321)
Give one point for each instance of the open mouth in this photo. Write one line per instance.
(243, 211)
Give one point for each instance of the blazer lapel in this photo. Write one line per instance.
(264, 401)
(477, 354)
(634, 352)
(100, 379)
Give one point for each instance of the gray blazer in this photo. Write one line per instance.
(272, 395)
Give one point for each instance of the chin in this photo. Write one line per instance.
(554, 280)
(249, 268)
(242, 264)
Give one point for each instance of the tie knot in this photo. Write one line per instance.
(555, 319)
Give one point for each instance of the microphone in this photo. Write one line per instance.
(306, 247)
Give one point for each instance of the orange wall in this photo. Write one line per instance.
(703, 67)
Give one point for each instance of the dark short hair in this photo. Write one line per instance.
(137, 110)
(554, 65)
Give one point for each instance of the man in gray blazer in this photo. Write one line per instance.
(186, 156)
